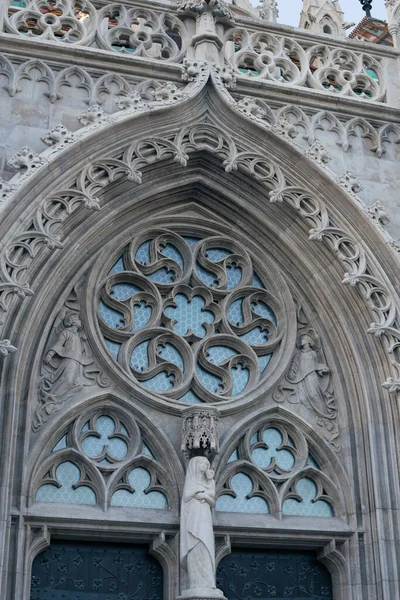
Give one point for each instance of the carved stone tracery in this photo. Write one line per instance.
(189, 317)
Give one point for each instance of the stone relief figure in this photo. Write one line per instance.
(65, 360)
(307, 373)
(67, 366)
(197, 535)
(310, 385)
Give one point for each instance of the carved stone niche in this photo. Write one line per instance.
(200, 431)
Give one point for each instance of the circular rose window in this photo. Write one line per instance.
(190, 318)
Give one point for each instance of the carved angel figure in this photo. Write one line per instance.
(307, 373)
(197, 535)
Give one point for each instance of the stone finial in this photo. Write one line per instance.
(200, 430)
(323, 16)
(268, 10)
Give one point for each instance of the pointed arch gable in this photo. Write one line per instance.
(286, 179)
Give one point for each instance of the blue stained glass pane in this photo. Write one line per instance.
(234, 456)
(113, 348)
(242, 486)
(146, 450)
(218, 354)
(311, 462)
(94, 446)
(139, 357)
(263, 361)
(171, 354)
(139, 479)
(143, 253)
(307, 489)
(189, 315)
(260, 308)
(123, 291)
(255, 336)
(191, 240)
(235, 312)
(160, 383)
(141, 314)
(112, 317)
(240, 378)
(254, 439)
(217, 254)
(61, 444)
(233, 276)
(191, 397)
(118, 267)
(210, 381)
(162, 276)
(173, 252)
(210, 279)
(85, 427)
(67, 475)
(263, 456)
(257, 281)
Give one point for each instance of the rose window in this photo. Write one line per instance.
(189, 318)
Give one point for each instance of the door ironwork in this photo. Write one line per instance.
(96, 571)
(271, 575)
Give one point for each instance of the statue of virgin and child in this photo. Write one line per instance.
(197, 535)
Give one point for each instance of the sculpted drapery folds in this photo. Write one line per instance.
(307, 372)
(67, 367)
(197, 536)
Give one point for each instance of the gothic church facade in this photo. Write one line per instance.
(199, 215)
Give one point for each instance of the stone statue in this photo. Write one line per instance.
(64, 362)
(67, 367)
(307, 373)
(197, 535)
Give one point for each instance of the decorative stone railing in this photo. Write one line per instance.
(257, 50)
(283, 60)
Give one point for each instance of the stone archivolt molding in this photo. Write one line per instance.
(44, 228)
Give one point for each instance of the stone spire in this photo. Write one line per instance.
(268, 10)
(323, 16)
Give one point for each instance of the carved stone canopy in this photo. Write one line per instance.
(200, 431)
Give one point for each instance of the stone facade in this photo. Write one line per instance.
(199, 205)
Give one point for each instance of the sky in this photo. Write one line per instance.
(289, 10)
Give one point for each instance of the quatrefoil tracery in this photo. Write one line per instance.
(189, 315)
